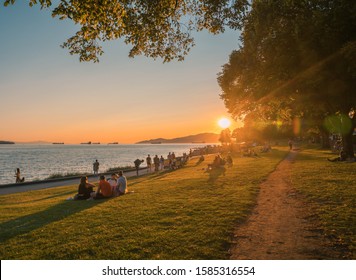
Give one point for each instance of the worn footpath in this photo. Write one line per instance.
(281, 226)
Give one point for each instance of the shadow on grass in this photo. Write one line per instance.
(28, 223)
(215, 173)
(71, 192)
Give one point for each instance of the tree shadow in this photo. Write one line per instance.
(71, 192)
(28, 223)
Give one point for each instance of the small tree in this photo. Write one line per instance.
(225, 137)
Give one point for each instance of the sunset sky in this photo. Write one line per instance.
(47, 94)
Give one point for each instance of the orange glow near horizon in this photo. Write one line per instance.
(53, 97)
(112, 130)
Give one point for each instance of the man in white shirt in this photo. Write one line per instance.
(121, 187)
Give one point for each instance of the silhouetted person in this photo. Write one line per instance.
(96, 167)
(156, 162)
(18, 176)
(85, 189)
(149, 163)
(290, 143)
(161, 162)
(229, 160)
(137, 163)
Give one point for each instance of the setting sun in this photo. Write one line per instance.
(224, 123)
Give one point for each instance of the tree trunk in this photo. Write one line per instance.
(347, 140)
(324, 137)
(348, 146)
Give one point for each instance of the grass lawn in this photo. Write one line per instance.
(185, 214)
(330, 188)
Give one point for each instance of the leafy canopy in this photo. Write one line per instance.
(297, 61)
(154, 28)
(297, 56)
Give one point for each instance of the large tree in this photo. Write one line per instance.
(154, 28)
(296, 55)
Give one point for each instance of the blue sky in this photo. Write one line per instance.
(47, 94)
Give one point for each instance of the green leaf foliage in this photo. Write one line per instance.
(154, 28)
(296, 57)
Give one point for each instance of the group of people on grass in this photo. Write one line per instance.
(115, 186)
(221, 162)
(159, 162)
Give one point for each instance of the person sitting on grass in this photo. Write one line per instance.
(85, 189)
(342, 157)
(217, 163)
(113, 181)
(201, 158)
(229, 160)
(121, 187)
(104, 189)
(250, 153)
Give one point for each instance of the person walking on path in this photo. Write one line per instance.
(137, 163)
(96, 167)
(290, 143)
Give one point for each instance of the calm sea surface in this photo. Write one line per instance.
(41, 161)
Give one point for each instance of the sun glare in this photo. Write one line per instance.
(224, 123)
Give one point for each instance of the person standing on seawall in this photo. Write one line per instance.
(96, 167)
(18, 176)
(149, 163)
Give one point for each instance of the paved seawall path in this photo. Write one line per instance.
(281, 226)
(30, 186)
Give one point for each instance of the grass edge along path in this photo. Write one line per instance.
(329, 188)
(185, 214)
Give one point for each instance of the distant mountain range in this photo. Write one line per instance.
(198, 138)
(6, 142)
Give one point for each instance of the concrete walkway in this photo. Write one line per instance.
(30, 186)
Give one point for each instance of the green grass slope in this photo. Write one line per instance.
(330, 188)
(185, 214)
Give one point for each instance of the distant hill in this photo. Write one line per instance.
(34, 142)
(6, 142)
(198, 138)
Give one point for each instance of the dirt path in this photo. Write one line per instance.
(280, 227)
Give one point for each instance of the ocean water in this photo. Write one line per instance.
(40, 161)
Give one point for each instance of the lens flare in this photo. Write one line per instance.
(297, 125)
(224, 123)
(340, 124)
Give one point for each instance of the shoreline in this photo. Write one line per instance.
(33, 164)
(64, 178)
(60, 182)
